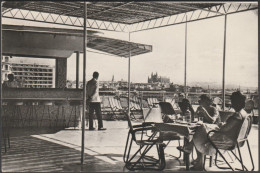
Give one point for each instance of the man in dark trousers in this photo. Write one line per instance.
(93, 101)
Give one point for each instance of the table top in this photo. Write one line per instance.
(182, 128)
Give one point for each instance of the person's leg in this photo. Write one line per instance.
(99, 115)
(91, 113)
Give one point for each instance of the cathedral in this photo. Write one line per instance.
(158, 79)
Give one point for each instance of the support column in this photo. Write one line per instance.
(1, 81)
(185, 62)
(224, 63)
(77, 70)
(129, 72)
(61, 73)
(84, 84)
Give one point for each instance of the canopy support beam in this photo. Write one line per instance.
(77, 70)
(84, 84)
(1, 82)
(129, 72)
(224, 63)
(185, 61)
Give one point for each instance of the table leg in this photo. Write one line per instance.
(186, 156)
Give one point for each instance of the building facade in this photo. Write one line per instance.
(29, 75)
(6, 68)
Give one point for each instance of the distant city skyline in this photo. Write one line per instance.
(204, 53)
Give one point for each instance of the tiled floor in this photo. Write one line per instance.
(59, 151)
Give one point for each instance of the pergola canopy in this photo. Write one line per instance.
(120, 16)
(61, 43)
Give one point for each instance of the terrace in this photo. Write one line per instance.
(60, 143)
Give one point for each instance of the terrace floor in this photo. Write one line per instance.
(45, 150)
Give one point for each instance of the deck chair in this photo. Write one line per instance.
(241, 140)
(140, 160)
(135, 106)
(116, 107)
(152, 102)
(167, 109)
(145, 104)
(124, 104)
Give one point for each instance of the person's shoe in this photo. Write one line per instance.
(194, 162)
(101, 128)
(182, 149)
(196, 168)
(91, 128)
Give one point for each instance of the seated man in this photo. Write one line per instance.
(11, 83)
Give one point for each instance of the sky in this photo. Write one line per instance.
(204, 53)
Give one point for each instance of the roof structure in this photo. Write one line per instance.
(61, 43)
(127, 16)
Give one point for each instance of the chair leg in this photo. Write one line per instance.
(230, 167)
(49, 116)
(249, 150)
(242, 164)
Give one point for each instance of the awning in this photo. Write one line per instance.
(123, 16)
(61, 43)
(119, 12)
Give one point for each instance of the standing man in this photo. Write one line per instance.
(93, 101)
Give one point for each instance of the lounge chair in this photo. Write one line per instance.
(124, 105)
(116, 107)
(152, 102)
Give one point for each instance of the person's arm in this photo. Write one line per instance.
(230, 124)
(207, 117)
(192, 111)
(93, 90)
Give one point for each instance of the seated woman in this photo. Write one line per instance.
(208, 112)
(227, 130)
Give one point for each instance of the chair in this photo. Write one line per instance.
(174, 105)
(60, 110)
(167, 109)
(124, 104)
(152, 102)
(6, 131)
(31, 113)
(116, 107)
(140, 160)
(46, 111)
(16, 113)
(75, 107)
(241, 139)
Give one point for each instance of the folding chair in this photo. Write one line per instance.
(152, 102)
(135, 106)
(115, 106)
(167, 109)
(140, 160)
(124, 105)
(241, 139)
